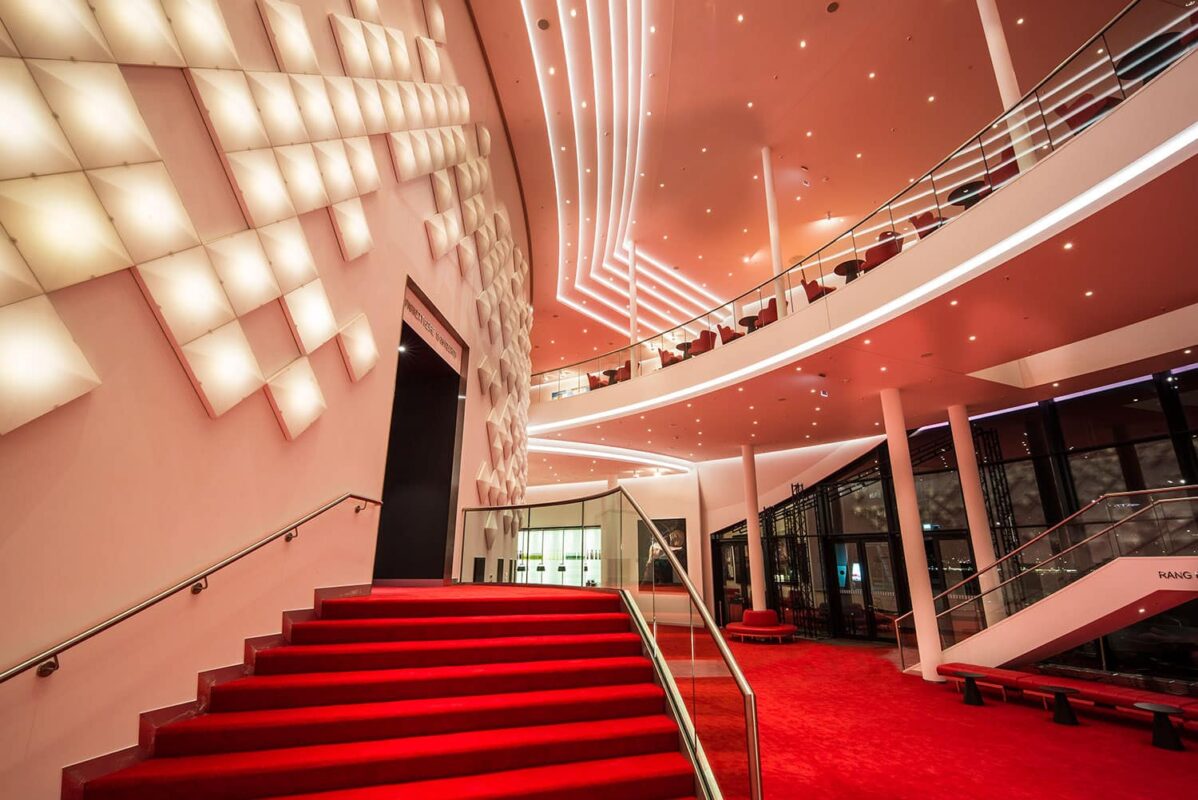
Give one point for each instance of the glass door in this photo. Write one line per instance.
(866, 587)
(735, 594)
(882, 600)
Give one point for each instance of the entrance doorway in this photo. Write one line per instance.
(417, 520)
(730, 563)
(865, 582)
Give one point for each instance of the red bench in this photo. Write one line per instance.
(760, 625)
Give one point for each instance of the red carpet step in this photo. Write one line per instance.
(462, 692)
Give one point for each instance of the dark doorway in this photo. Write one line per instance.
(420, 484)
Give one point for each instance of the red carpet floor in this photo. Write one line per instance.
(451, 693)
(840, 721)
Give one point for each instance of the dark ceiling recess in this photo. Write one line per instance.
(832, 7)
(543, 24)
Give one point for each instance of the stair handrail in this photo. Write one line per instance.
(47, 661)
(994, 564)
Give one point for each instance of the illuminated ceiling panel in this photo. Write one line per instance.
(351, 44)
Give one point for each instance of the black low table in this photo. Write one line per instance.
(968, 194)
(1164, 735)
(971, 694)
(685, 347)
(848, 269)
(750, 322)
(1062, 709)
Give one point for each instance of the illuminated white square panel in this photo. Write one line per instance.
(441, 103)
(463, 103)
(358, 348)
(315, 107)
(260, 187)
(444, 232)
(362, 164)
(473, 212)
(287, 251)
(351, 43)
(379, 50)
(403, 158)
(201, 32)
(60, 29)
(461, 149)
(430, 59)
(222, 367)
(366, 10)
(310, 316)
(455, 105)
(145, 208)
(295, 396)
(240, 262)
(186, 294)
(436, 149)
(280, 112)
(31, 141)
(61, 229)
(138, 32)
(428, 105)
(467, 257)
(41, 367)
(401, 62)
(410, 98)
(435, 18)
(300, 171)
(345, 106)
(16, 279)
(8, 48)
(392, 106)
(289, 36)
(370, 104)
(334, 168)
(442, 190)
(422, 148)
(353, 234)
(230, 109)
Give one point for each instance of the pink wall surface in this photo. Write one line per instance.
(122, 492)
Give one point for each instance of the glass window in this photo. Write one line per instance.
(1019, 433)
(861, 510)
(1146, 465)
(1122, 414)
(1024, 492)
(941, 504)
(1186, 386)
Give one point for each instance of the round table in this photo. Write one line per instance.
(1164, 735)
(611, 375)
(967, 194)
(972, 696)
(685, 347)
(1150, 58)
(849, 270)
(749, 322)
(1062, 709)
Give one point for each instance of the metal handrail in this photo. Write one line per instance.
(708, 622)
(47, 661)
(1031, 94)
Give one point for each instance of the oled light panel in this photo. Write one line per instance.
(298, 165)
(367, 10)
(334, 168)
(370, 104)
(280, 112)
(345, 106)
(31, 141)
(442, 190)
(401, 62)
(295, 396)
(353, 234)
(145, 208)
(467, 257)
(61, 229)
(229, 108)
(240, 262)
(289, 36)
(260, 187)
(186, 294)
(310, 316)
(59, 29)
(201, 33)
(41, 367)
(428, 106)
(444, 232)
(315, 107)
(351, 43)
(223, 368)
(16, 280)
(435, 18)
(138, 32)
(288, 254)
(430, 60)
(392, 106)
(362, 164)
(379, 50)
(358, 348)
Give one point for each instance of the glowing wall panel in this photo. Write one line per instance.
(353, 234)
(362, 164)
(366, 10)
(334, 167)
(260, 186)
(345, 106)
(60, 29)
(279, 110)
(371, 105)
(295, 396)
(186, 294)
(288, 254)
(31, 141)
(41, 367)
(435, 19)
(351, 44)
(229, 109)
(201, 32)
(145, 208)
(244, 271)
(223, 368)
(379, 50)
(430, 59)
(138, 32)
(298, 165)
(310, 316)
(16, 280)
(289, 36)
(358, 348)
(315, 107)
(401, 62)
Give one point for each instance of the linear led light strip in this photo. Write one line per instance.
(608, 453)
(1061, 214)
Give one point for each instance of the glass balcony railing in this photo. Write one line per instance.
(607, 542)
(1145, 39)
(1156, 522)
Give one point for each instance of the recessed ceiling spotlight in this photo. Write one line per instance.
(744, 230)
(574, 12)
(754, 177)
(931, 98)
(1187, 351)
(867, 341)
(652, 29)
(584, 103)
(952, 302)
(708, 211)
(858, 155)
(746, 259)
(1055, 383)
(1019, 21)
(750, 104)
(553, 70)
(1089, 293)
(740, 17)
(1068, 245)
(810, 133)
(563, 148)
(973, 338)
(702, 149)
(873, 75)
(543, 24)
(802, 43)
(797, 198)
(883, 369)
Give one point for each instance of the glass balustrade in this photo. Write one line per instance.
(1134, 48)
(606, 542)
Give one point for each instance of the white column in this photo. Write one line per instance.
(915, 557)
(1008, 83)
(753, 523)
(634, 358)
(975, 509)
(771, 209)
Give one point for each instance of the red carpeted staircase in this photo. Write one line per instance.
(454, 692)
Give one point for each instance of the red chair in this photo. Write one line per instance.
(1004, 171)
(1085, 110)
(768, 314)
(760, 625)
(595, 381)
(624, 372)
(889, 245)
(668, 358)
(926, 223)
(815, 290)
(728, 335)
(705, 342)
